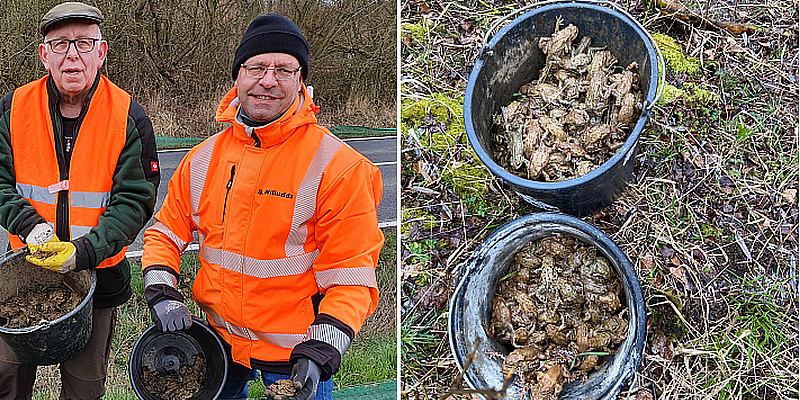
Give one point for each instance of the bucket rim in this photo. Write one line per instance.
(89, 297)
(508, 229)
(153, 330)
(627, 149)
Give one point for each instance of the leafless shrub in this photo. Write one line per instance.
(174, 56)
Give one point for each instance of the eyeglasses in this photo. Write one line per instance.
(259, 72)
(61, 46)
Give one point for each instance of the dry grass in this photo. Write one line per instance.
(709, 219)
(182, 118)
(359, 111)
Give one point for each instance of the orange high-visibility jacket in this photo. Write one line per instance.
(90, 177)
(283, 213)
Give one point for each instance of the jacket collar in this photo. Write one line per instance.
(302, 112)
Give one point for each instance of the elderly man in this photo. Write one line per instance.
(287, 224)
(78, 179)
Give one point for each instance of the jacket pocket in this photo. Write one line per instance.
(228, 190)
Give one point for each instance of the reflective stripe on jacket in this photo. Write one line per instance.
(90, 177)
(279, 220)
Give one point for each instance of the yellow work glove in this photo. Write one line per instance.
(55, 256)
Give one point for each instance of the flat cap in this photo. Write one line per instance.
(69, 10)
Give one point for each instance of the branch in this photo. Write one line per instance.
(674, 8)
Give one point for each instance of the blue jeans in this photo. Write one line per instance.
(238, 377)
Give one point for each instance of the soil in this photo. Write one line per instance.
(574, 117)
(183, 385)
(39, 305)
(283, 387)
(560, 313)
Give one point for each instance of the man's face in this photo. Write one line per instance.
(74, 72)
(267, 98)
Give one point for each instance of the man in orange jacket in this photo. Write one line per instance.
(286, 218)
(78, 179)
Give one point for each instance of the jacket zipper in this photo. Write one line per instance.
(227, 191)
(62, 198)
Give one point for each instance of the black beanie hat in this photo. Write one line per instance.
(272, 33)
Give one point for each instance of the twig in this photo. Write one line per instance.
(489, 393)
(676, 9)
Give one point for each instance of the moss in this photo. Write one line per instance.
(468, 179)
(699, 96)
(444, 111)
(417, 32)
(439, 106)
(670, 94)
(692, 93)
(674, 57)
(417, 216)
(466, 174)
(708, 230)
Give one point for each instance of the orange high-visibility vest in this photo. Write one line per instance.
(95, 156)
(259, 217)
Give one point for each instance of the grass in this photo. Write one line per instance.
(709, 218)
(371, 358)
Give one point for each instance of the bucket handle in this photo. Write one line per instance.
(538, 203)
(662, 69)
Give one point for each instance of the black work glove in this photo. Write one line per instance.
(171, 315)
(305, 376)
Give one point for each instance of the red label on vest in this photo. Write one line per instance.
(154, 166)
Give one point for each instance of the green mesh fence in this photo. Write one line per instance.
(352, 131)
(166, 142)
(376, 391)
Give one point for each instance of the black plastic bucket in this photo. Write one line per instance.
(513, 58)
(166, 352)
(471, 307)
(50, 342)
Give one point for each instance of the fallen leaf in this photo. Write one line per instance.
(662, 347)
(644, 394)
(731, 46)
(672, 5)
(467, 25)
(710, 54)
(646, 263)
(423, 6)
(680, 274)
(790, 195)
(410, 271)
(697, 160)
(667, 251)
(726, 184)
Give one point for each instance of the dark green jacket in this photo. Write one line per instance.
(133, 197)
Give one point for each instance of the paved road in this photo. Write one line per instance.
(382, 151)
